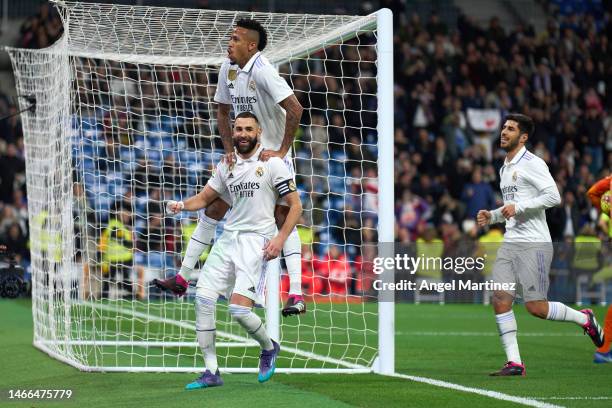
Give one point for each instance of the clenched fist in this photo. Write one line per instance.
(174, 207)
(483, 218)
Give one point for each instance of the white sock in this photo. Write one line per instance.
(506, 325)
(292, 251)
(559, 312)
(199, 241)
(206, 330)
(252, 324)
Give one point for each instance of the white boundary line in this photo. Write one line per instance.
(483, 334)
(571, 398)
(530, 402)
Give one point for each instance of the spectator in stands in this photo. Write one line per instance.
(477, 194)
(10, 166)
(335, 270)
(116, 247)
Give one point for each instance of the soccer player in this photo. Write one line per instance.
(236, 266)
(526, 254)
(603, 354)
(249, 83)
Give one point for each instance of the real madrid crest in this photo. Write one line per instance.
(232, 74)
(514, 177)
(259, 172)
(252, 85)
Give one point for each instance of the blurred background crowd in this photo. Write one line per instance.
(453, 75)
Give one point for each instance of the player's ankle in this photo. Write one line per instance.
(185, 272)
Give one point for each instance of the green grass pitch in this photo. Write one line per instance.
(453, 343)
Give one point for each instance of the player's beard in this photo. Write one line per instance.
(511, 144)
(245, 149)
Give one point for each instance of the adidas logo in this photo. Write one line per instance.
(531, 288)
(252, 289)
(231, 175)
(231, 86)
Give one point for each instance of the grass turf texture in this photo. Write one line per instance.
(558, 358)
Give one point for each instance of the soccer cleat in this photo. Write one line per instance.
(510, 368)
(176, 284)
(295, 305)
(206, 380)
(592, 328)
(601, 358)
(267, 362)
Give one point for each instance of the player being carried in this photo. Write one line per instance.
(525, 256)
(600, 196)
(249, 83)
(236, 266)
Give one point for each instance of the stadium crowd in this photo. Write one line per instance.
(445, 171)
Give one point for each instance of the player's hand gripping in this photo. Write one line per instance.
(229, 158)
(273, 248)
(267, 154)
(483, 218)
(174, 207)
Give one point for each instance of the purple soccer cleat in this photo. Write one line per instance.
(206, 380)
(267, 362)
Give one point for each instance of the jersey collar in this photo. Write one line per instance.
(247, 67)
(254, 157)
(517, 156)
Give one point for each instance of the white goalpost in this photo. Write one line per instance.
(124, 120)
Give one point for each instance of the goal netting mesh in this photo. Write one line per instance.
(124, 120)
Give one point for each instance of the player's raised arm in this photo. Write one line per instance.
(194, 203)
(212, 190)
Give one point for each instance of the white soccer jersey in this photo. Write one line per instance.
(253, 187)
(256, 88)
(526, 182)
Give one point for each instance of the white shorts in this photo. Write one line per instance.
(236, 265)
(527, 264)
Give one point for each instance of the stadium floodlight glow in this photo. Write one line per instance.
(124, 119)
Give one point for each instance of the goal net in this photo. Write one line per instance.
(124, 120)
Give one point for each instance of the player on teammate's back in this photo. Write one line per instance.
(236, 266)
(528, 190)
(249, 83)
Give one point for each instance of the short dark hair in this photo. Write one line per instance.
(255, 25)
(525, 123)
(250, 115)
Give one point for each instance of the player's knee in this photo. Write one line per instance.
(537, 309)
(217, 209)
(238, 312)
(205, 310)
(502, 302)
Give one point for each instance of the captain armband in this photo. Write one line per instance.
(285, 187)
